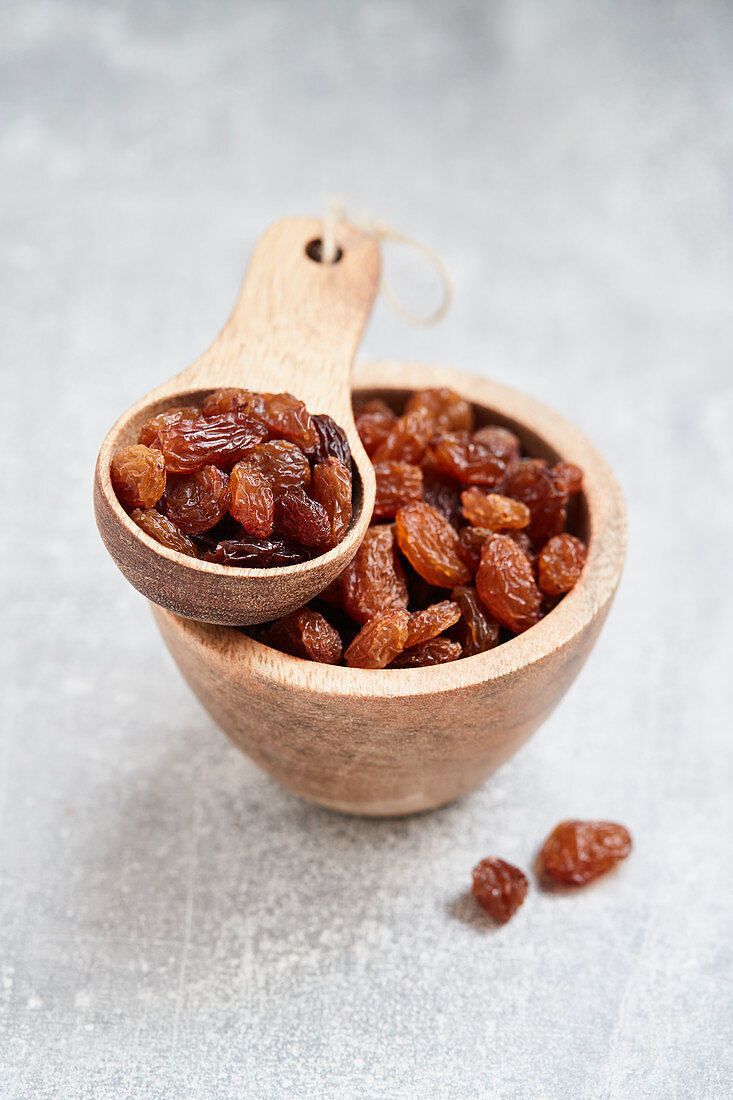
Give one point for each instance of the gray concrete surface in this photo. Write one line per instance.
(172, 924)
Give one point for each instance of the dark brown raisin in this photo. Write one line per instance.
(222, 439)
(499, 888)
(332, 441)
(430, 544)
(533, 485)
(195, 502)
(302, 519)
(477, 630)
(442, 491)
(138, 476)
(379, 641)
(248, 552)
(331, 488)
(470, 544)
(163, 530)
(436, 651)
(252, 499)
(576, 852)
(506, 584)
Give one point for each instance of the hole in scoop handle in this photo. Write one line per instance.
(297, 324)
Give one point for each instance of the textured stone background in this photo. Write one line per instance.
(172, 924)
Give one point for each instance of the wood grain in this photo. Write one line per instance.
(399, 741)
(295, 327)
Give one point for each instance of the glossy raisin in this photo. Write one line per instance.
(287, 418)
(467, 458)
(430, 544)
(397, 483)
(560, 564)
(283, 464)
(506, 584)
(436, 651)
(305, 633)
(499, 888)
(251, 553)
(431, 621)
(533, 485)
(450, 413)
(470, 544)
(374, 580)
(331, 488)
(304, 520)
(577, 852)
(493, 511)
(379, 640)
(567, 477)
(442, 491)
(407, 440)
(504, 444)
(152, 428)
(197, 501)
(227, 400)
(223, 439)
(252, 499)
(374, 421)
(163, 530)
(138, 476)
(331, 442)
(477, 630)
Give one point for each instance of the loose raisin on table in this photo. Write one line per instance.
(494, 511)
(560, 564)
(407, 440)
(152, 428)
(450, 413)
(222, 439)
(331, 488)
(195, 502)
(431, 621)
(499, 888)
(430, 544)
(467, 458)
(397, 483)
(506, 584)
(332, 441)
(379, 640)
(374, 579)
(305, 633)
(138, 476)
(283, 464)
(478, 630)
(252, 499)
(436, 651)
(302, 519)
(577, 852)
(533, 485)
(160, 528)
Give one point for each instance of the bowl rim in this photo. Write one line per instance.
(229, 648)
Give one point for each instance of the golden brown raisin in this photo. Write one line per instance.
(163, 530)
(533, 485)
(252, 500)
(397, 484)
(331, 487)
(478, 630)
(374, 425)
(283, 464)
(506, 584)
(560, 564)
(504, 444)
(138, 476)
(576, 852)
(151, 428)
(197, 501)
(450, 412)
(374, 580)
(432, 621)
(491, 510)
(499, 888)
(227, 400)
(407, 440)
(470, 544)
(379, 641)
(468, 459)
(287, 417)
(430, 544)
(567, 477)
(302, 519)
(436, 651)
(223, 439)
(332, 441)
(305, 633)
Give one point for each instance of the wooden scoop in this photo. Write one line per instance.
(295, 328)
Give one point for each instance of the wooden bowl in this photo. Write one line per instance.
(391, 742)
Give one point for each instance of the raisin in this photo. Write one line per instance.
(442, 491)
(502, 442)
(491, 510)
(499, 888)
(567, 477)
(197, 501)
(374, 580)
(470, 544)
(374, 422)
(223, 439)
(331, 488)
(524, 542)
(450, 412)
(163, 531)
(302, 519)
(576, 852)
(305, 633)
(407, 440)
(397, 484)
(533, 485)
(151, 428)
(478, 631)
(331, 442)
(283, 464)
(560, 564)
(506, 584)
(257, 553)
(287, 418)
(227, 400)
(436, 651)
(430, 544)
(379, 640)
(252, 499)
(432, 621)
(467, 458)
(138, 476)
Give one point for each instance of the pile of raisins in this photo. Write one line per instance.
(466, 549)
(249, 479)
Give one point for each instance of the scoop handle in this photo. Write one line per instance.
(297, 322)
